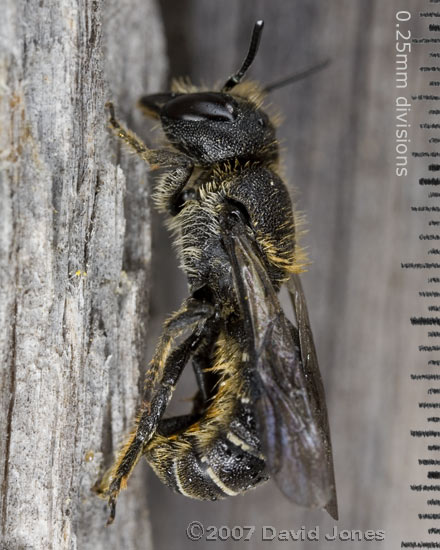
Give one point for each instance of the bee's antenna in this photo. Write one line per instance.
(253, 48)
(297, 76)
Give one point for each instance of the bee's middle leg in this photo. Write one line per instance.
(202, 361)
(175, 424)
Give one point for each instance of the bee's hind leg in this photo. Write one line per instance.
(179, 340)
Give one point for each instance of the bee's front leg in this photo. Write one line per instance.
(177, 166)
(180, 337)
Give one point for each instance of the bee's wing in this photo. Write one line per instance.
(311, 369)
(291, 413)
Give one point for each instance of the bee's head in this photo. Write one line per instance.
(219, 126)
(212, 127)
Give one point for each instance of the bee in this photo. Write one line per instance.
(260, 409)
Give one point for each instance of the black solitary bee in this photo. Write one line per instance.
(260, 408)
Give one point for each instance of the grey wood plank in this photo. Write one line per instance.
(75, 247)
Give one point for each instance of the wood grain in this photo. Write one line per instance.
(75, 249)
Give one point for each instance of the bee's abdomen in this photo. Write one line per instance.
(227, 464)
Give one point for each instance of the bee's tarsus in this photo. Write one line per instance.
(112, 506)
(111, 108)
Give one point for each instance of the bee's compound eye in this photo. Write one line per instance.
(201, 106)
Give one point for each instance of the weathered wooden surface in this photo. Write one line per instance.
(338, 137)
(75, 248)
